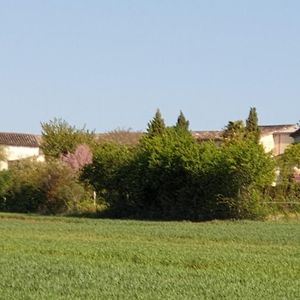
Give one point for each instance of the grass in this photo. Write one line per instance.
(73, 258)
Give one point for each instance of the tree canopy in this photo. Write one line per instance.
(60, 138)
(252, 129)
(157, 125)
(182, 122)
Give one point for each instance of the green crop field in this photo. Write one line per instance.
(73, 258)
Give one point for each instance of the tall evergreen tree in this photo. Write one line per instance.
(182, 122)
(252, 129)
(157, 125)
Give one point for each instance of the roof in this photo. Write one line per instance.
(264, 129)
(268, 129)
(18, 139)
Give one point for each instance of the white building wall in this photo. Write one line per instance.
(268, 142)
(17, 153)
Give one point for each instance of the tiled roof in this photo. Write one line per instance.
(18, 139)
(268, 129)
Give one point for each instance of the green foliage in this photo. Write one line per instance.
(157, 125)
(171, 176)
(42, 187)
(252, 129)
(5, 183)
(182, 122)
(104, 173)
(162, 171)
(234, 131)
(288, 160)
(78, 258)
(60, 138)
(243, 170)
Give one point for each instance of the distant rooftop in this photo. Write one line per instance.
(132, 137)
(267, 129)
(18, 139)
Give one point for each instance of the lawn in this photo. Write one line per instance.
(74, 258)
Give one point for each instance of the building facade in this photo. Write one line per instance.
(18, 146)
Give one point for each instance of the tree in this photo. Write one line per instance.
(60, 138)
(252, 129)
(82, 156)
(182, 122)
(234, 130)
(157, 125)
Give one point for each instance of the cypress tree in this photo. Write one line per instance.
(252, 129)
(157, 125)
(182, 122)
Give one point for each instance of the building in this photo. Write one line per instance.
(274, 138)
(18, 146)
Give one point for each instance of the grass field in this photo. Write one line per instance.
(69, 258)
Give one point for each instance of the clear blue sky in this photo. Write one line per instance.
(110, 64)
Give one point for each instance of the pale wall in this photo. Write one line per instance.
(16, 153)
(282, 141)
(268, 142)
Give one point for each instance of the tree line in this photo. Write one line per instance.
(167, 174)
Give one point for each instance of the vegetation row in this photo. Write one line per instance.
(167, 174)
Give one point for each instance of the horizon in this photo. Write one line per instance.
(139, 131)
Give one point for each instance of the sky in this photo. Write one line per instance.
(110, 64)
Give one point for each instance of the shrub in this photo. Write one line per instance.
(288, 160)
(164, 176)
(43, 187)
(244, 169)
(104, 173)
(5, 183)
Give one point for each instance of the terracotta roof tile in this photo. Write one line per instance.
(18, 139)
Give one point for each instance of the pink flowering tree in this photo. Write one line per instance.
(81, 157)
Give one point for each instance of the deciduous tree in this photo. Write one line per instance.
(60, 138)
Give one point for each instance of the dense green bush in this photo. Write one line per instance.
(169, 175)
(166, 175)
(243, 169)
(105, 173)
(48, 187)
(288, 160)
(5, 183)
